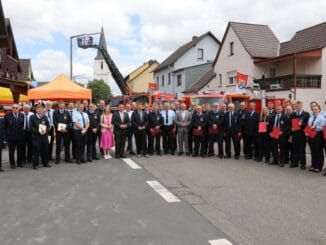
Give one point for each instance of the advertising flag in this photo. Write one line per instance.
(242, 80)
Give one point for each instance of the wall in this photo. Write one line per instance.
(140, 83)
(104, 73)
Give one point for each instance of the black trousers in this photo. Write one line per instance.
(51, 134)
(91, 144)
(199, 146)
(220, 140)
(80, 142)
(280, 149)
(27, 147)
(250, 146)
(190, 140)
(236, 144)
(299, 142)
(154, 140)
(317, 154)
(62, 138)
(1, 155)
(41, 149)
(212, 138)
(15, 145)
(120, 142)
(141, 143)
(71, 142)
(167, 138)
(263, 146)
(130, 134)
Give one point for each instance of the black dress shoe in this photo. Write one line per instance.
(172, 153)
(159, 153)
(20, 165)
(180, 153)
(132, 153)
(68, 161)
(210, 155)
(236, 157)
(47, 166)
(57, 161)
(123, 156)
(188, 153)
(35, 167)
(303, 167)
(13, 166)
(220, 156)
(226, 157)
(266, 161)
(2, 170)
(78, 162)
(82, 161)
(195, 155)
(293, 165)
(96, 158)
(281, 165)
(324, 174)
(311, 169)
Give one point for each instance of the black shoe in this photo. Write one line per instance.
(311, 169)
(281, 165)
(68, 161)
(96, 158)
(210, 155)
(259, 160)
(273, 163)
(47, 166)
(317, 170)
(227, 157)
(78, 162)
(123, 156)
(82, 161)
(20, 165)
(303, 167)
(89, 160)
(159, 154)
(266, 161)
(165, 153)
(132, 153)
(13, 166)
(248, 157)
(188, 153)
(324, 174)
(180, 153)
(2, 170)
(35, 167)
(236, 157)
(293, 165)
(195, 155)
(220, 156)
(57, 161)
(172, 153)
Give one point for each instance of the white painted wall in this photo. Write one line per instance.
(104, 73)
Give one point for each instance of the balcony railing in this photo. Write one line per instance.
(287, 82)
(9, 67)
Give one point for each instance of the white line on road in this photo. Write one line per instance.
(163, 192)
(131, 163)
(220, 242)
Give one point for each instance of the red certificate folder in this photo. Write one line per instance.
(296, 124)
(237, 137)
(155, 131)
(276, 133)
(211, 130)
(310, 132)
(197, 132)
(324, 132)
(262, 127)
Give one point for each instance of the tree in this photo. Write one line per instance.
(100, 90)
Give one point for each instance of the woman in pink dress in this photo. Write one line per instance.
(107, 139)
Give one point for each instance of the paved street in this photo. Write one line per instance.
(103, 202)
(253, 203)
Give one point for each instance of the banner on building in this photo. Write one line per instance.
(152, 87)
(242, 80)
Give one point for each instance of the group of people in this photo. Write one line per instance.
(277, 135)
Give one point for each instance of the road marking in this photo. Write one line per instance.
(163, 192)
(220, 242)
(131, 163)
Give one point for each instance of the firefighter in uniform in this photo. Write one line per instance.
(199, 122)
(94, 127)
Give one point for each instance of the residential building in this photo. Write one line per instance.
(141, 78)
(26, 75)
(187, 64)
(293, 69)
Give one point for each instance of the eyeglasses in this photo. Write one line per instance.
(15, 107)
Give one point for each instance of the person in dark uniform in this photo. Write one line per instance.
(263, 138)
(250, 132)
(81, 125)
(213, 124)
(191, 109)
(27, 149)
(71, 144)
(61, 121)
(99, 112)
(299, 140)
(40, 127)
(199, 122)
(94, 127)
(2, 134)
(221, 138)
(168, 129)
(49, 113)
(279, 120)
(14, 124)
(242, 121)
(130, 129)
(139, 122)
(288, 146)
(121, 122)
(270, 107)
(155, 122)
(232, 132)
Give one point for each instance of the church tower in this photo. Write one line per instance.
(101, 69)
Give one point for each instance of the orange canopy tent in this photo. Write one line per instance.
(61, 88)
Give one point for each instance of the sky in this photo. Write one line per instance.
(139, 30)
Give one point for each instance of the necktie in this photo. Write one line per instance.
(25, 122)
(313, 121)
(230, 119)
(84, 123)
(49, 116)
(121, 116)
(277, 121)
(70, 113)
(166, 117)
(141, 116)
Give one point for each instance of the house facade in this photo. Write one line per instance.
(294, 69)
(140, 79)
(187, 64)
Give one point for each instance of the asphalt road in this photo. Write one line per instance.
(105, 202)
(254, 203)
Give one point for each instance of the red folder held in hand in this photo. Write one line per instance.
(211, 130)
(276, 133)
(310, 132)
(296, 124)
(197, 132)
(325, 132)
(155, 131)
(262, 127)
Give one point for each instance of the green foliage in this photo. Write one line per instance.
(100, 90)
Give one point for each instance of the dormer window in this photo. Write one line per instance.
(200, 54)
(231, 48)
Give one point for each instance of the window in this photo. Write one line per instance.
(232, 76)
(179, 80)
(272, 72)
(231, 48)
(101, 65)
(158, 82)
(220, 79)
(169, 78)
(162, 83)
(200, 54)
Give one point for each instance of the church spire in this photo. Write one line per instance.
(99, 55)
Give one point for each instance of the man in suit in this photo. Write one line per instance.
(2, 134)
(299, 140)
(155, 122)
(232, 131)
(14, 124)
(62, 118)
(242, 121)
(279, 120)
(27, 149)
(40, 137)
(221, 138)
(49, 113)
(70, 135)
(270, 106)
(250, 132)
(130, 129)
(168, 129)
(139, 122)
(94, 127)
(183, 120)
(198, 123)
(213, 124)
(121, 122)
